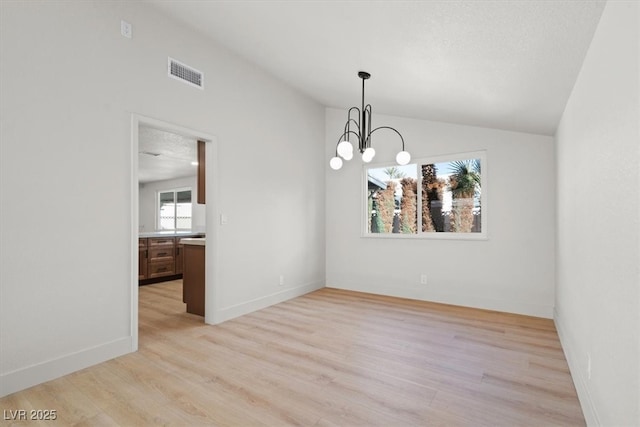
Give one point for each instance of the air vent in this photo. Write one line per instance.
(186, 74)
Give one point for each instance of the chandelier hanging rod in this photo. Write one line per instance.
(363, 132)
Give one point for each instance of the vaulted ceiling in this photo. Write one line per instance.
(500, 64)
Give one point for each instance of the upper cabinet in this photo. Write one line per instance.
(201, 173)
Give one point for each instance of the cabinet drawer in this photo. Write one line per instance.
(161, 268)
(161, 241)
(161, 253)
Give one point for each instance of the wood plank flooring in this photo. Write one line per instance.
(329, 358)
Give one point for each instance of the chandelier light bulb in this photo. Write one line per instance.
(368, 155)
(403, 158)
(345, 149)
(335, 163)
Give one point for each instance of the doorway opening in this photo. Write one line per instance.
(165, 155)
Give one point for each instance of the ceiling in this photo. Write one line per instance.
(164, 155)
(500, 64)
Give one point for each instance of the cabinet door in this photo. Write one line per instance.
(193, 280)
(143, 259)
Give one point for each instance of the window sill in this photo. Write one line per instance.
(428, 236)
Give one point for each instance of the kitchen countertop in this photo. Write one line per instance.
(171, 233)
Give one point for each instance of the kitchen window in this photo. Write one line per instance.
(174, 209)
(441, 197)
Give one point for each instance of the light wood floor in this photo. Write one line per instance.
(329, 358)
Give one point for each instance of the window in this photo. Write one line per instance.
(174, 209)
(434, 197)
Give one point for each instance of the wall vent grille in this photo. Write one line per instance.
(186, 74)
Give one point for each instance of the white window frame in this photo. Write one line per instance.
(447, 235)
(175, 191)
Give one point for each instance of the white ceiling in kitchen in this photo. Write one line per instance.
(164, 155)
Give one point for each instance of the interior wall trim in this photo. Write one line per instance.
(237, 310)
(30, 376)
(503, 305)
(579, 380)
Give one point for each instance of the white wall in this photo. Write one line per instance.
(598, 276)
(513, 270)
(70, 83)
(148, 194)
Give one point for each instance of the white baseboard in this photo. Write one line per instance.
(24, 378)
(515, 307)
(580, 382)
(237, 310)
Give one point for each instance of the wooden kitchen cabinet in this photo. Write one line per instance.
(179, 256)
(143, 256)
(161, 257)
(201, 176)
(193, 284)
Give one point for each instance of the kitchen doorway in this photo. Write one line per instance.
(173, 169)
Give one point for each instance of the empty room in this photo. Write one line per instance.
(320, 213)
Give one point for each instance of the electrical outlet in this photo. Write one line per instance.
(588, 366)
(281, 283)
(423, 279)
(125, 29)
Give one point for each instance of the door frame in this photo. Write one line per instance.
(211, 180)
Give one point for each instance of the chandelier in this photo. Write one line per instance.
(360, 128)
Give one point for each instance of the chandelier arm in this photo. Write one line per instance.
(389, 127)
(351, 119)
(342, 137)
(353, 108)
(347, 128)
